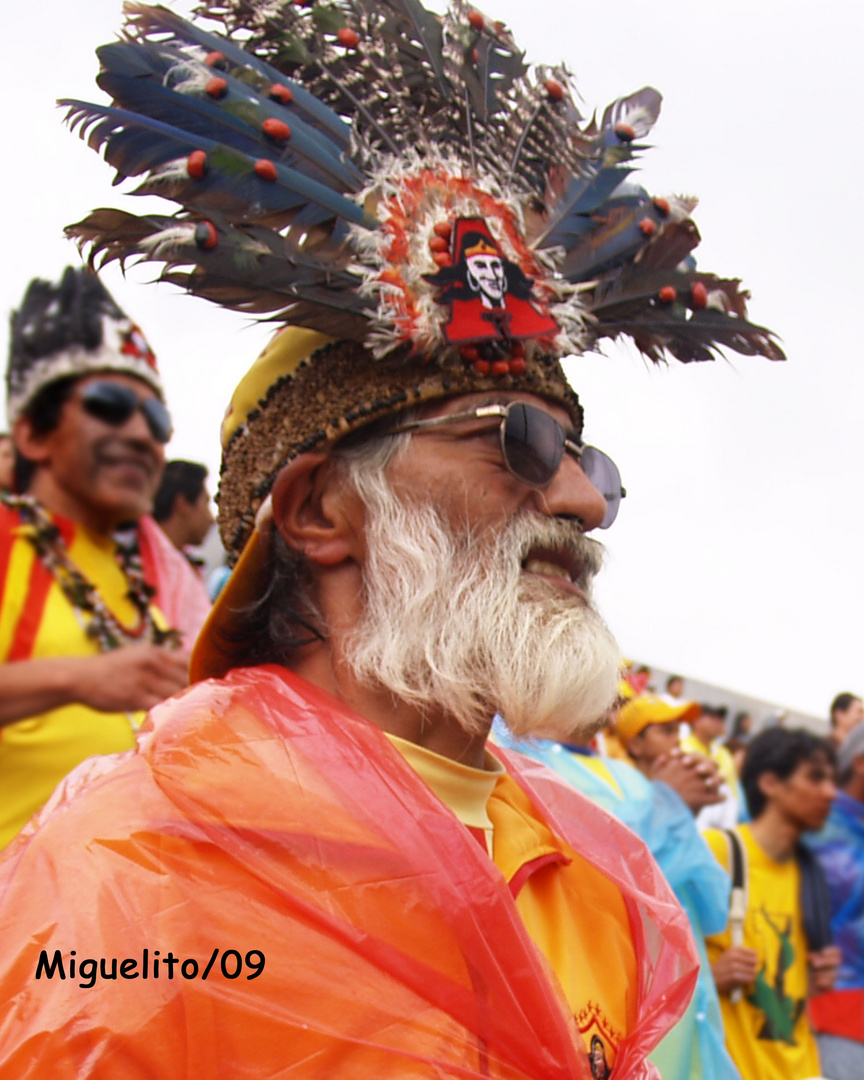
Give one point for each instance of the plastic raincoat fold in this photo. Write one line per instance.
(261, 816)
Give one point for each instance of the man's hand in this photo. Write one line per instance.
(733, 968)
(822, 969)
(129, 679)
(695, 778)
(133, 678)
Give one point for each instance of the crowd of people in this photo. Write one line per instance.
(392, 804)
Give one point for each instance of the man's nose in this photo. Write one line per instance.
(570, 494)
(137, 428)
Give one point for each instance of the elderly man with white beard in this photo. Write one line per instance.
(313, 865)
(326, 809)
(326, 813)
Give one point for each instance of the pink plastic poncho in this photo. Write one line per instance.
(261, 818)
(180, 594)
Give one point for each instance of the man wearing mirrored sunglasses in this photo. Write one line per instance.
(91, 618)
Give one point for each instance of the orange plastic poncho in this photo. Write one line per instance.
(260, 815)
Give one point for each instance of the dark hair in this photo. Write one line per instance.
(840, 704)
(779, 751)
(674, 678)
(738, 731)
(283, 619)
(184, 478)
(44, 413)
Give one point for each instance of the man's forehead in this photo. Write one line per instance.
(819, 761)
(466, 402)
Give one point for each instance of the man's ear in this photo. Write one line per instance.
(28, 443)
(316, 511)
(768, 783)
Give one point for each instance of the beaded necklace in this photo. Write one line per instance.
(98, 621)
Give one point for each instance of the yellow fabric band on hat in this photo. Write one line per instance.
(282, 357)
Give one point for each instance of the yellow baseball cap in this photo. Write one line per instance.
(637, 714)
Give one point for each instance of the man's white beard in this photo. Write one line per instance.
(452, 622)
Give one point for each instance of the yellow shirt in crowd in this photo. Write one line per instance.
(37, 621)
(767, 1031)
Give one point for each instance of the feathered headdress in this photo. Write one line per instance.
(402, 182)
(72, 328)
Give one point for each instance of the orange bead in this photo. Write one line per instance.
(276, 129)
(265, 169)
(699, 294)
(347, 37)
(443, 228)
(555, 90)
(216, 87)
(662, 207)
(438, 243)
(216, 60)
(196, 164)
(442, 258)
(517, 365)
(625, 133)
(648, 226)
(482, 367)
(501, 367)
(668, 294)
(281, 93)
(469, 352)
(476, 19)
(206, 236)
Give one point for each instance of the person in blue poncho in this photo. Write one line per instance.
(838, 1017)
(695, 1049)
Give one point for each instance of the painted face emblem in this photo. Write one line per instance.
(489, 297)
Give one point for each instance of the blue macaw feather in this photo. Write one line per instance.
(133, 69)
(134, 144)
(158, 20)
(584, 196)
(612, 241)
(236, 123)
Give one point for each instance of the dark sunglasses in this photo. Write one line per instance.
(533, 444)
(114, 404)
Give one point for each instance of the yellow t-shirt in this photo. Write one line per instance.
(36, 623)
(574, 914)
(767, 1031)
(719, 755)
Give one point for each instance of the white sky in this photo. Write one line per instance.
(736, 558)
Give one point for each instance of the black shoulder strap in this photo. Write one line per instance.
(737, 858)
(815, 900)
